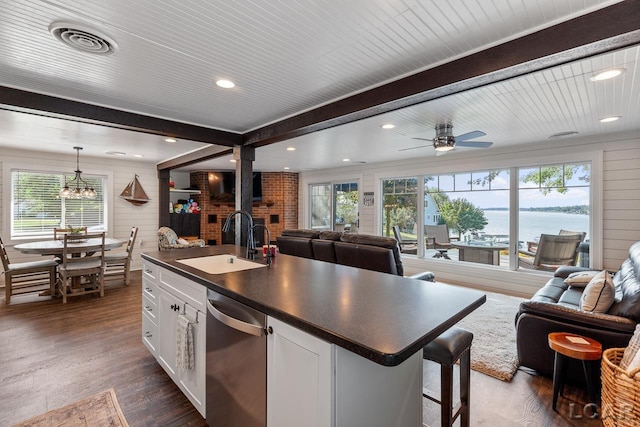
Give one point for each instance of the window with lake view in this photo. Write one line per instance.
(467, 215)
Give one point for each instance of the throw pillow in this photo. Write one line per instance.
(580, 279)
(598, 296)
(631, 350)
(183, 242)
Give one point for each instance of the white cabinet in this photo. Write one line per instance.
(299, 378)
(311, 382)
(165, 296)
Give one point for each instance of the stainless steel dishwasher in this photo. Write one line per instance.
(236, 364)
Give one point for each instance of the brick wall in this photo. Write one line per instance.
(279, 199)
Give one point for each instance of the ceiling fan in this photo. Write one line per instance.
(445, 141)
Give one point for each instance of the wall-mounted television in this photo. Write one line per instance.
(222, 186)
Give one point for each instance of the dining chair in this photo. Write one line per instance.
(75, 267)
(406, 246)
(59, 233)
(119, 263)
(26, 277)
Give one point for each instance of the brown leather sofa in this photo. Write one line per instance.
(555, 308)
(356, 250)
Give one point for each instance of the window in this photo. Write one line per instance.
(400, 207)
(36, 207)
(478, 208)
(334, 206)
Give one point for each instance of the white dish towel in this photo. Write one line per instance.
(184, 343)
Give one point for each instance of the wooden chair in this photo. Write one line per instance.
(74, 268)
(59, 233)
(437, 237)
(552, 252)
(26, 277)
(119, 263)
(406, 246)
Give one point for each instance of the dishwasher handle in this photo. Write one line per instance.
(234, 323)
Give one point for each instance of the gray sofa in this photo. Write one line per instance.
(356, 250)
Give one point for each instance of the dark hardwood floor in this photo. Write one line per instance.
(52, 354)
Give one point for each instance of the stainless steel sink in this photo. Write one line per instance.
(220, 264)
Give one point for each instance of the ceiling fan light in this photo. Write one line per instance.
(444, 143)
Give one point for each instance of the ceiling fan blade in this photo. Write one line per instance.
(413, 148)
(422, 139)
(469, 135)
(474, 144)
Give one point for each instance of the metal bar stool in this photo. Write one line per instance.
(451, 346)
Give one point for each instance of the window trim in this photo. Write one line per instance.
(7, 168)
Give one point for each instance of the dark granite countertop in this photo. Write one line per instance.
(382, 317)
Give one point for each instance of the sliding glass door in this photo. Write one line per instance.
(334, 206)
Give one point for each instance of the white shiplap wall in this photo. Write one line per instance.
(616, 160)
(123, 214)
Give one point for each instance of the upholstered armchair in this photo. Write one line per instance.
(168, 239)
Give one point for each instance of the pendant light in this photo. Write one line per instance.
(68, 192)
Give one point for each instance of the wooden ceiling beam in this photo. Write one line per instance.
(611, 28)
(50, 106)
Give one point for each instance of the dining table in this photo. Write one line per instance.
(55, 247)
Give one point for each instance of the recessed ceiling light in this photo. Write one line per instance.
(388, 126)
(607, 74)
(286, 168)
(346, 160)
(138, 156)
(609, 119)
(115, 153)
(232, 160)
(561, 134)
(170, 140)
(227, 84)
(291, 148)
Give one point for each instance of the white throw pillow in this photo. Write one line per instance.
(599, 295)
(183, 242)
(580, 279)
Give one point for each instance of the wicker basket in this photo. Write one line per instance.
(620, 392)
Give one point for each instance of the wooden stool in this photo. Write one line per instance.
(450, 346)
(576, 347)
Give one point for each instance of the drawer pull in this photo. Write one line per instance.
(148, 334)
(148, 308)
(148, 289)
(148, 271)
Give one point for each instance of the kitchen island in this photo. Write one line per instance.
(372, 326)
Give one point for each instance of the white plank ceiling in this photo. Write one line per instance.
(287, 57)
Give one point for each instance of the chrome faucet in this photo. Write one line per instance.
(251, 245)
(269, 254)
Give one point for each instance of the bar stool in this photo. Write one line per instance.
(451, 346)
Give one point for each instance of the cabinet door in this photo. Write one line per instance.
(299, 378)
(167, 323)
(192, 381)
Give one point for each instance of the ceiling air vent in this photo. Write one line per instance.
(83, 38)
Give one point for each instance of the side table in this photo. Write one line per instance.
(574, 346)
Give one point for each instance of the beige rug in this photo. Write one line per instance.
(99, 410)
(493, 351)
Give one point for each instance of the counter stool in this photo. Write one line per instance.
(451, 345)
(585, 349)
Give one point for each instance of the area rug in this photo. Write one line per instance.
(99, 410)
(493, 351)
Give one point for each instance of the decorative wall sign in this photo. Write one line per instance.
(367, 198)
